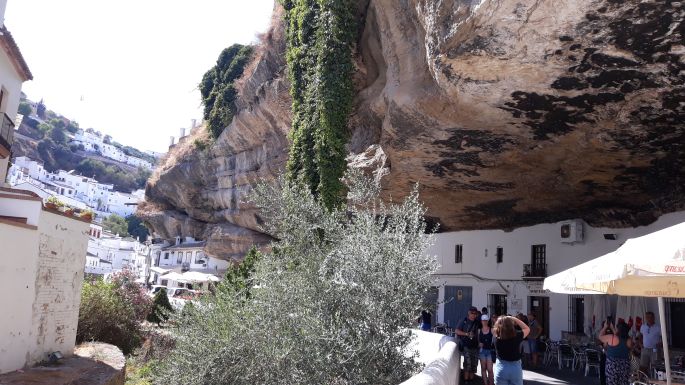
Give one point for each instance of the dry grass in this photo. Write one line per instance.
(186, 146)
(266, 42)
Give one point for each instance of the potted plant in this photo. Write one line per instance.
(69, 212)
(53, 203)
(87, 215)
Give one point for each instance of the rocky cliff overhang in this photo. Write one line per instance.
(508, 113)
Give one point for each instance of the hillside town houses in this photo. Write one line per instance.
(75, 190)
(93, 141)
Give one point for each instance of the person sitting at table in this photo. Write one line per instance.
(618, 349)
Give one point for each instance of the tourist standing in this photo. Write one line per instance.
(651, 342)
(466, 330)
(425, 320)
(508, 340)
(535, 333)
(617, 370)
(487, 351)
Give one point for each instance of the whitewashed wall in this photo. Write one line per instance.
(517, 252)
(62, 256)
(18, 264)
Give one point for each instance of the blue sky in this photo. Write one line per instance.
(129, 68)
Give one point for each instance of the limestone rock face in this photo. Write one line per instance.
(507, 113)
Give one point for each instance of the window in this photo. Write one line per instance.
(576, 314)
(538, 257)
(500, 255)
(164, 282)
(197, 257)
(179, 258)
(458, 253)
(189, 256)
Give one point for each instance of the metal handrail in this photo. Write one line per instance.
(530, 270)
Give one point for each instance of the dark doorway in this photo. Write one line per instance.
(677, 317)
(540, 307)
(579, 314)
(499, 304)
(457, 303)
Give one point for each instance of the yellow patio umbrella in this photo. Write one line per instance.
(649, 266)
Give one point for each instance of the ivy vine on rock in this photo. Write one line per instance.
(320, 37)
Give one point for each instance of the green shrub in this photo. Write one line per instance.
(331, 303)
(161, 308)
(24, 109)
(200, 144)
(105, 316)
(217, 89)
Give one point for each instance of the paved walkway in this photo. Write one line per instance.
(551, 375)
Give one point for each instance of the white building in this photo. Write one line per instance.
(133, 161)
(13, 72)
(122, 204)
(186, 255)
(114, 253)
(73, 189)
(92, 142)
(504, 271)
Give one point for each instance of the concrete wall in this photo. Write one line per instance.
(441, 357)
(62, 256)
(481, 271)
(18, 264)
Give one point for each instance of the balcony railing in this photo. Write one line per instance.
(6, 136)
(534, 271)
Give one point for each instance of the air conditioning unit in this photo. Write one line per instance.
(571, 231)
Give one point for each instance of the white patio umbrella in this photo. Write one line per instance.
(649, 266)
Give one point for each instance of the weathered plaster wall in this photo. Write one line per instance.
(62, 256)
(18, 263)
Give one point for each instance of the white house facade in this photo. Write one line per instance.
(504, 271)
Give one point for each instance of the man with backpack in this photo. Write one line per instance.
(467, 331)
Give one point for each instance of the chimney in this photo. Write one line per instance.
(183, 133)
(193, 123)
(178, 240)
(171, 141)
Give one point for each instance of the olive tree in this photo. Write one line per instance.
(330, 303)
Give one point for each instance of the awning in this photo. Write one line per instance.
(159, 270)
(649, 266)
